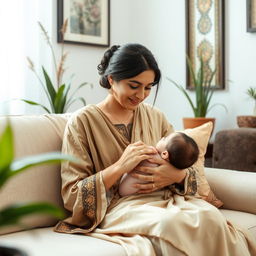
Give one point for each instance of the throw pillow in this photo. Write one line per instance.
(201, 135)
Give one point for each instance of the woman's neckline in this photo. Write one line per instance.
(115, 121)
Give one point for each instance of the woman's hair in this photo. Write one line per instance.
(123, 62)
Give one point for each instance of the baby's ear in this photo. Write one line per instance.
(165, 155)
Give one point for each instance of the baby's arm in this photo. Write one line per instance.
(126, 184)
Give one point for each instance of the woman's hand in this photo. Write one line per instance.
(158, 177)
(133, 155)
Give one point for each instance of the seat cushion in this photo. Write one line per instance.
(236, 189)
(43, 241)
(46, 242)
(242, 219)
(34, 135)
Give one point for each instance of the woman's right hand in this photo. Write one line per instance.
(133, 155)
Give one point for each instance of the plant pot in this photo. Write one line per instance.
(246, 121)
(192, 122)
(8, 251)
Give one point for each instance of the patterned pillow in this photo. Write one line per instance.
(201, 135)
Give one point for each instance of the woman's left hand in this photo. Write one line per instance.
(159, 176)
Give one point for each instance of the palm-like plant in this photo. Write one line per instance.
(58, 96)
(203, 91)
(251, 92)
(9, 167)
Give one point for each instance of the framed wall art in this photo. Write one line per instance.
(251, 15)
(87, 21)
(205, 39)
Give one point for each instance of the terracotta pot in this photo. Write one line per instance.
(192, 122)
(246, 121)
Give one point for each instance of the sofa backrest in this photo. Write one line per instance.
(35, 135)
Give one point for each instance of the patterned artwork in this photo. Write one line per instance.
(205, 29)
(253, 12)
(85, 17)
(251, 15)
(87, 21)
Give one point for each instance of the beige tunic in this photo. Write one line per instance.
(167, 222)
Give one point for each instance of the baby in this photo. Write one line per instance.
(177, 148)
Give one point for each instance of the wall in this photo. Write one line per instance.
(160, 25)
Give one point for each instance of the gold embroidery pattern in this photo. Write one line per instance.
(89, 197)
(126, 131)
(192, 183)
(64, 227)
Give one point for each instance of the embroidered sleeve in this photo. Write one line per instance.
(87, 214)
(89, 197)
(191, 182)
(189, 187)
(83, 190)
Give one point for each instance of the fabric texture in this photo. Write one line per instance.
(228, 155)
(136, 220)
(201, 135)
(163, 221)
(248, 219)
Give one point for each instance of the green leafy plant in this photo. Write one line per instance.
(203, 90)
(251, 92)
(9, 167)
(58, 96)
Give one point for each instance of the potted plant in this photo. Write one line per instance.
(203, 95)
(12, 214)
(249, 120)
(58, 94)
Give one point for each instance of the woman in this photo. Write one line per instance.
(111, 139)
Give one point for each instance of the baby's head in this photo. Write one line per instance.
(180, 149)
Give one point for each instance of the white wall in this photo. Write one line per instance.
(160, 25)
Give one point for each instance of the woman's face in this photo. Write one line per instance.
(129, 93)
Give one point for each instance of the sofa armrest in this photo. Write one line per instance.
(236, 189)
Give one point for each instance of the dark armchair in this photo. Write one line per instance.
(235, 149)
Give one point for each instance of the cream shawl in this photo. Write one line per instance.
(91, 137)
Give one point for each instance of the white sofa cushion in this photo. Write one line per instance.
(35, 135)
(242, 219)
(236, 189)
(46, 242)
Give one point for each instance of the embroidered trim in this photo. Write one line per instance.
(192, 183)
(89, 197)
(64, 227)
(126, 131)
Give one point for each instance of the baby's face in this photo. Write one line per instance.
(162, 144)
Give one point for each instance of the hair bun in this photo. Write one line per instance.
(106, 58)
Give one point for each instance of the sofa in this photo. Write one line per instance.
(43, 133)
